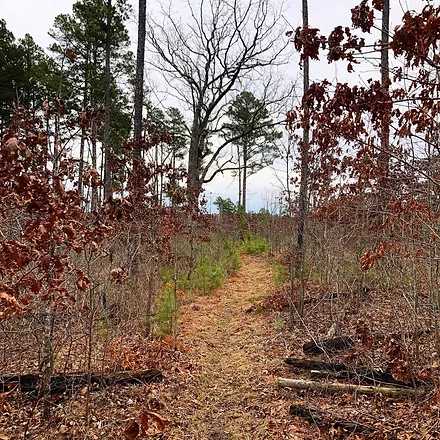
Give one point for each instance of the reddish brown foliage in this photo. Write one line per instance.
(36, 258)
(362, 16)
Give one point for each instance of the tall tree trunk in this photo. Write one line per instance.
(139, 96)
(244, 190)
(384, 157)
(194, 185)
(288, 192)
(240, 200)
(161, 176)
(156, 176)
(303, 191)
(93, 128)
(101, 193)
(107, 106)
(93, 135)
(81, 161)
(83, 129)
(56, 144)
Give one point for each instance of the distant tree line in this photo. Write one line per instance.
(91, 91)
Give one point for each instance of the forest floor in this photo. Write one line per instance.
(236, 346)
(220, 375)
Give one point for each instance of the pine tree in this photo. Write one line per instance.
(254, 135)
(83, 37)
(178, 131)
(27, 75)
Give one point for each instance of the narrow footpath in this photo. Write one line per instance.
(230, 395)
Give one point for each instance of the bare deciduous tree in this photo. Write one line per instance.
(204, 61)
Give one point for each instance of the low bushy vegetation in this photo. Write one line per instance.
(166, 310)
(280, 273)
(254, 245)
(216, 260)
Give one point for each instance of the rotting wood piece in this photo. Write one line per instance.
(312, 415)
(365, 379)
(348, 388)
(61, 383)
(332, 345)
(337, 370)
(341, 343)
(321, 419)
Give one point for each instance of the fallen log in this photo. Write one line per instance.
(62, 383)
(344, 371)
(386, 379)
(323, 420)
(347, 388)
(312, 364)
(341, 343)
(331, 345)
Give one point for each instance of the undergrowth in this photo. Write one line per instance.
(254, 245)
(215, 261)
(280, 273)
(166, 310)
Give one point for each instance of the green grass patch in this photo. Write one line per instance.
(215, 261)
(254, 245)
(166, 311)
(230, 259)
(207, 276)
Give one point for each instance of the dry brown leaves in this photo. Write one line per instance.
(145, 423)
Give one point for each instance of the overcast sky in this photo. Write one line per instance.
(36, 17)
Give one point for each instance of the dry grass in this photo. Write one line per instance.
(231, 393)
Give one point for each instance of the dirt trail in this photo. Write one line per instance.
(229, 394)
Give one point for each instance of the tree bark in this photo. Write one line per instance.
(83, 129)
(289, 195)
(139, 84)
(139, 97)
(344, 371)
(94, 137)
(239, 177)
(384, 157)
(107, 106)
(81, 161)
(60, 383)
(245, 172)
(330, 345)
(194, 184)
(161, 176)
(303, 191)
(321, 419)
(156, 168)
(95, 195)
